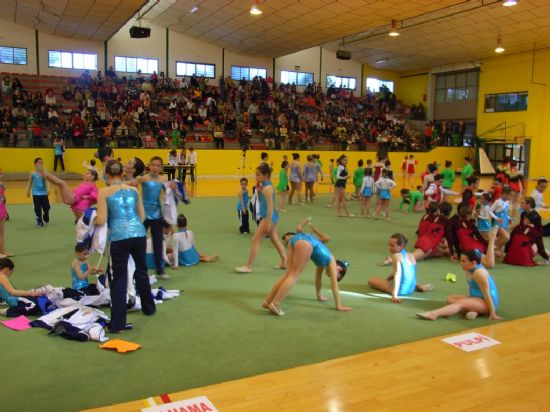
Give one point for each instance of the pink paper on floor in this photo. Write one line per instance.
(20, 323)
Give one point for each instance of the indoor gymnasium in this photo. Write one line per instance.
(274, 205)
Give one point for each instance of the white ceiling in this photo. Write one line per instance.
(82, 19)
(287, 26)
(430, 36)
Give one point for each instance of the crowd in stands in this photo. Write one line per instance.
(164, 112)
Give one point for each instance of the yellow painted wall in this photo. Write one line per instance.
(513, 73)
(213, 162)
(411, 87)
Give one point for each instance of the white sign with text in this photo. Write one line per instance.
(470, 342)
(200, 404)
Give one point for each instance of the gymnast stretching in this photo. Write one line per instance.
(81, 197)
(301, 248)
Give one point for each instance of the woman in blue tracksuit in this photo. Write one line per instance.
(120, 207)
(301, 248)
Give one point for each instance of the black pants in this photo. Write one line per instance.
(23, 309)
(220, 144)
(58, 158)
(191, 173)
(90, 290)
(243, 219)
(171, 172)
(121, 250)
(156, 235)
(41, 208)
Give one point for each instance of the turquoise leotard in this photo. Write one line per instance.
(38, 185)
(263, 204)
(475, 291)
(5, 296)
(320, 254)
(245, 201)
(151, 202)
(408, 275)
(123, 220)
(77, 282)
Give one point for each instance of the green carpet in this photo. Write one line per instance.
(216, 331)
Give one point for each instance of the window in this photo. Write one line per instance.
(506, 102)
(197, 69)
(135, 64)
(247, 73)
(343, 82)
(374, 84)
(456, 87)
(297, 78)
(13, 55)
(72, 60)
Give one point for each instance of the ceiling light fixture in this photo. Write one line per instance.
(384, 60)
(393, 32)
(499, 48)
(194, 9)
(510, 3)
(255, 10)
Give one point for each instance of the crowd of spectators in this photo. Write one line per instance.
(165, 112)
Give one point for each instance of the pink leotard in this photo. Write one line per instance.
(84, 189)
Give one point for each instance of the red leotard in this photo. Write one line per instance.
(519, 249)
(411, 167)
(467, 237)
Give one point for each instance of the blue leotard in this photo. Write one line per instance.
(123, 220)
(189, 257)
(310, 173)
(320, 254)
(407, 284)
(504, 215)
(263, 204)
(38, 185)
(245, 201)
(294, 174)
(151, 201)
(77, 282)
(5, 296)
(475, 291)
(58, 149)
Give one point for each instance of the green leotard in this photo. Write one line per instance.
(414, 198)
(283, 181)
(333, 175)
(358, 176)
(467, 171)
(448, 178)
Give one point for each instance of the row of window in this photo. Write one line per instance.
(88, 61)
(450, 88)
(456, 87)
